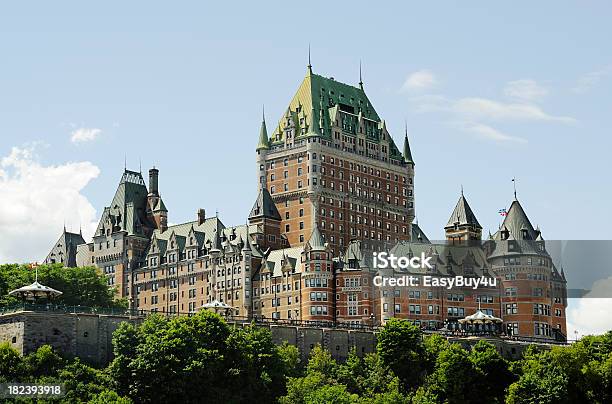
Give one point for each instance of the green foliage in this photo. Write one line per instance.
(43, 362)
(400, 347)
(454, 377)
(290, 355)
(11, 363)
(321, 362)
(84, 286)
(493, 373)
(109, 397)
(256, 364)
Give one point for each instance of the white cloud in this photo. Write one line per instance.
(590, 315)
(483, 108)
(36, 202)
(589, 80)
(488, 132)
(420, 80)
(474, 109)
(85, 134)
(525, 90)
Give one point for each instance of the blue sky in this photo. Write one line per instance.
(490, 92)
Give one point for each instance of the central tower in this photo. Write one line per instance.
(331, 162)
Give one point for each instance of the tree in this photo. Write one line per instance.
(322, 362)
(454, 377)
(11, 364)
(255, 364)
(400, 347)
(43, 362)
(493, 377)
(84, 286)
(183, 358)
(109, 397)
(290, 355)
(541, 384)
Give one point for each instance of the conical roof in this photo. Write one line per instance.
(407, 152)
(316, 241)
(264, 206)
(517, 222)
(35, 291)
(462, 214)
(263, 136)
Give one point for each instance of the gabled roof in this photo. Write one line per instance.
(462, 214)
(127, 210)
(264, 206)
(65, 249)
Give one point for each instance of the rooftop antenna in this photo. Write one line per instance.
(461, 189)
(360, 78)
(140, 165)
(514, 185)
(309, 64)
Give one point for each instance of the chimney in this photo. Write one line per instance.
(201, 216)
(153, 178)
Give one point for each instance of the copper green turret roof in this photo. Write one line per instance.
(407, 152)
(263, 136)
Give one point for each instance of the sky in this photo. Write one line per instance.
(490, 92)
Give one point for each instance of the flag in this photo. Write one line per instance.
(503, 212)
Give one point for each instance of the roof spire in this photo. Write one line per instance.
(263, 144)
(309, 64)
(360, 78)
(124, 162)
(461, 189)
(514, 185)
(321, 114)
(407, 152)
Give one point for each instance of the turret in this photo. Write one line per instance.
(462, 226)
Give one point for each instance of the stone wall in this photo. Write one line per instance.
(89, 336)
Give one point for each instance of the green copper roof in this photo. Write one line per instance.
(319, 101)
(317, 91)
(263, 136)
(407, 152)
